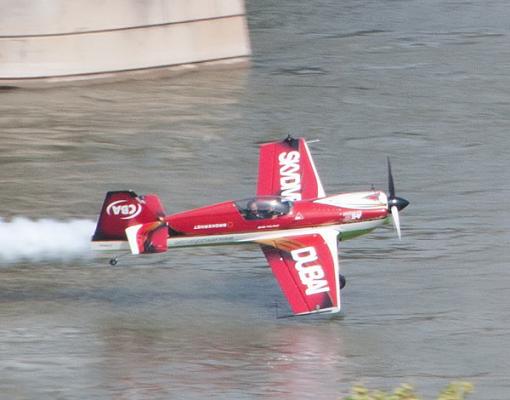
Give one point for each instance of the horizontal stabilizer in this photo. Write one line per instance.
(148, 238)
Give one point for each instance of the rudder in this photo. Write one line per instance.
(122, 209)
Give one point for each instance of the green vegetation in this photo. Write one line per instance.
(454, 391)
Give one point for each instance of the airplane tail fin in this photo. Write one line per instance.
(123, 211)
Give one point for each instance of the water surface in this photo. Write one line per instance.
(423, 82)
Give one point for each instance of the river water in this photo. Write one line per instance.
(424, 82)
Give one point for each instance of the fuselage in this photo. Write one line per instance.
(231, 222)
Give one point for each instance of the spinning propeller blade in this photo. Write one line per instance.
(395, 204)
(391, 184)
(396, 221)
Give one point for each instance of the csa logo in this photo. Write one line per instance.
(124, 209)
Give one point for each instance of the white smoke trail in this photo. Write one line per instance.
(23, 239)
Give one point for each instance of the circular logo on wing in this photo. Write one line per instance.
(124, 209)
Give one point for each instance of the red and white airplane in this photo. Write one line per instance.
(291, 218)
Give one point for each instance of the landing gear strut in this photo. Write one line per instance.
(343, 281)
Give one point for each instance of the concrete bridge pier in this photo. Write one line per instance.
(52, 42)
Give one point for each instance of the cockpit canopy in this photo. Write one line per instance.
(263, 207)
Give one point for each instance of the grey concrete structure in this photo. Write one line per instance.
(53, 41)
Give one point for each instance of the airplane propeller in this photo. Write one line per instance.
(395, 204)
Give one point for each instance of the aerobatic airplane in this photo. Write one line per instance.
(291, 218)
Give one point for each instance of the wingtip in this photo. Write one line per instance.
(291, 141)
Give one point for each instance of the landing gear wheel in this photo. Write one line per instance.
(113, 261)
(343, 281)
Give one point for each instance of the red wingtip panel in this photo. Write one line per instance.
(306, 268)
(287, 169)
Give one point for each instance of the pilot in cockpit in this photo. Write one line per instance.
(264, 208)
(253, 211)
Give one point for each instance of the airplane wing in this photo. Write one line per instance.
(286, 169)
(306, 268)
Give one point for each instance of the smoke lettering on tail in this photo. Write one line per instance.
(23, 239)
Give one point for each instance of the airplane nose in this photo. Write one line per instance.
(399, 202)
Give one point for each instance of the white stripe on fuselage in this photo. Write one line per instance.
(240, 238)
